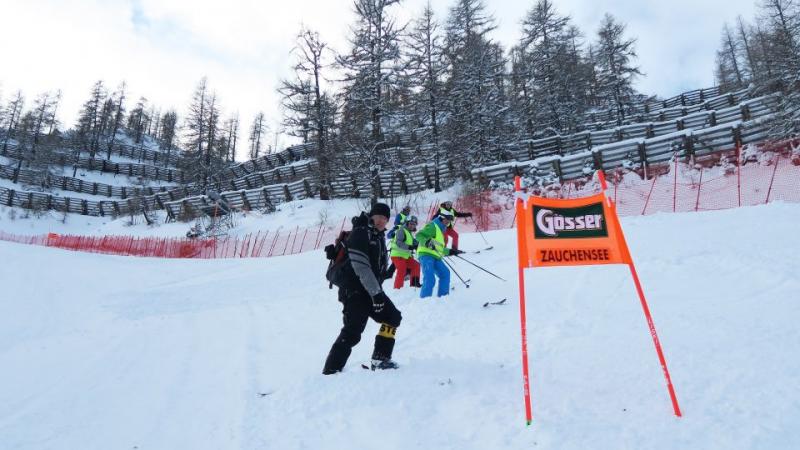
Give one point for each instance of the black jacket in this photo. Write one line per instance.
(366, 248)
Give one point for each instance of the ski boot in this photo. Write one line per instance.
(383, 364)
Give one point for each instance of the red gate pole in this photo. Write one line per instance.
(775, 169)
(646, 309)
(275, 239)
(263, 241)
(653, 333)
(699, 187)
(296, 232)
(317, 238)
(288, 238)
(675, 185)
(522, 314)
(646, 202)
(303, 241)
(739, 172)
(245, 246)
(255, 244)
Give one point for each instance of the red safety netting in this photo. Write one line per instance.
(718, 182)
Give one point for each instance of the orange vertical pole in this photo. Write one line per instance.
(640, 291)
(653, 333)
(522, 314)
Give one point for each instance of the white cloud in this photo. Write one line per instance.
(163, 47)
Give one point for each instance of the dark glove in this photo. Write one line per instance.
(329, 251)
(414, 245)
(456, 252)
(379, 302)
(468, 214)
(389, 272)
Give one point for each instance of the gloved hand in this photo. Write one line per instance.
(379, 302)
(414, 245)
(456, 252)
(389, 272)
(468, 214)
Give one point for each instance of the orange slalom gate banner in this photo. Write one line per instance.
(582, 231)
(574, 232)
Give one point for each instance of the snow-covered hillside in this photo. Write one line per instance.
(101, 352)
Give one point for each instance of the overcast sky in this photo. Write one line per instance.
(162, 48)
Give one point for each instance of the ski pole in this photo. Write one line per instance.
(479, 230)
(454, 271)
(479, 267)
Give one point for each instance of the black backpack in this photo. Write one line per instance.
(339, 272)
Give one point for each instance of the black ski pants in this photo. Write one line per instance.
(356, 309)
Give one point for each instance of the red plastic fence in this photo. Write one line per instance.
(719, 182)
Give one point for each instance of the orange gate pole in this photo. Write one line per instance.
(522, 318)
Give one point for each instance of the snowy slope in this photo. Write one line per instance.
(102, 352)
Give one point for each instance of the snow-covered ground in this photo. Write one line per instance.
(102, 352)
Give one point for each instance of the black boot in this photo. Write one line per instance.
(415, 282)
(382, 355)
(383, 364)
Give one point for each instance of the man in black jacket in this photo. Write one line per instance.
(361, 293)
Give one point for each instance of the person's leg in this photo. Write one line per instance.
(400, 272)
(413, 265)
(454, 235)
(354, 317)
(428, 275)
(444, 278)
(390, 319)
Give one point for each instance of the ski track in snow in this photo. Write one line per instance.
(103, 352)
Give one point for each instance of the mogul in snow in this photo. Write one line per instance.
(359, 277)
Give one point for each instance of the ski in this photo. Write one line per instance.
(501, 302)
(475, 252)
(369, 367)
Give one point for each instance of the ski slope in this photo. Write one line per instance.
(102, 352)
